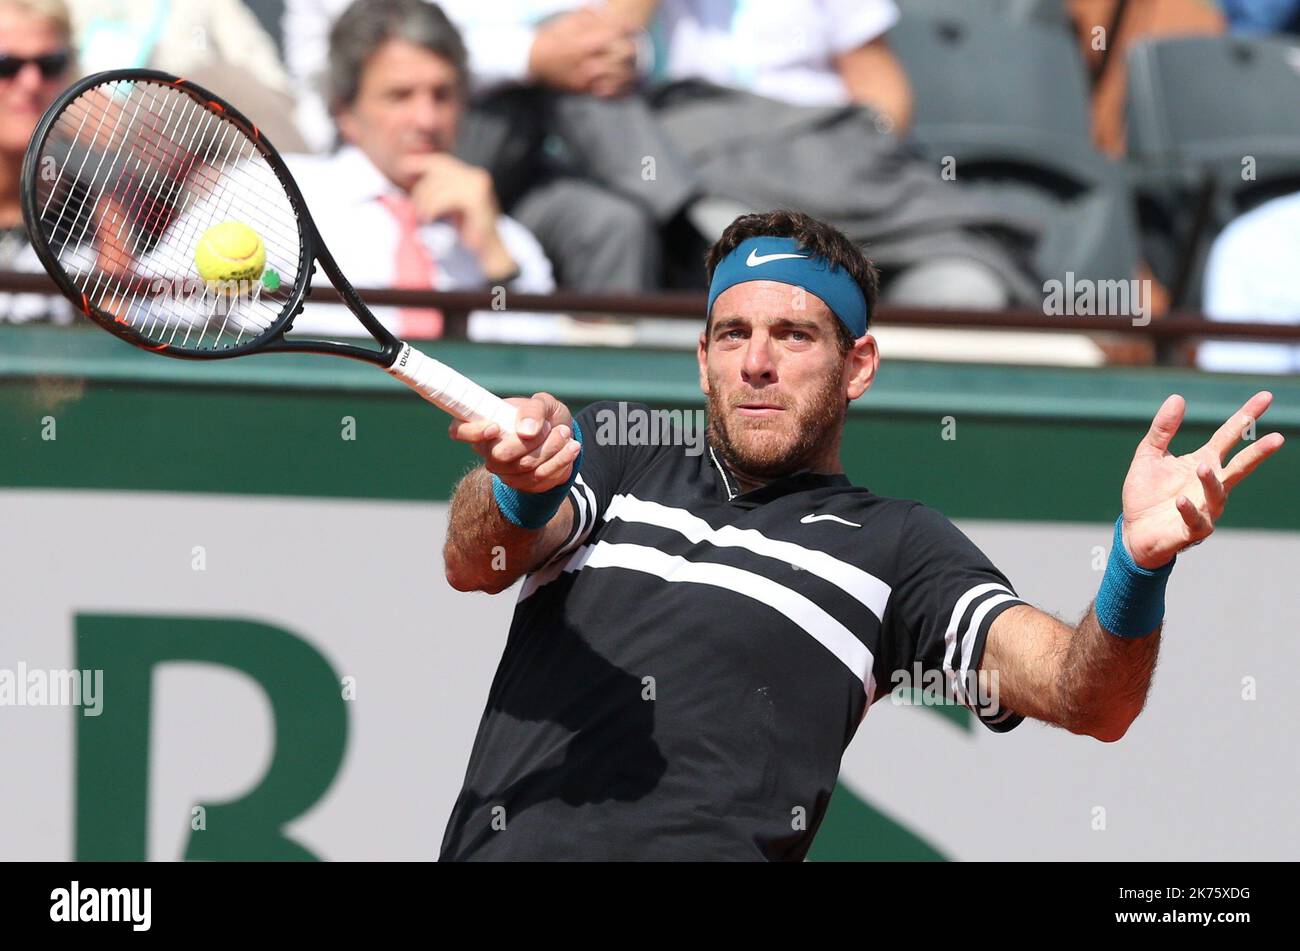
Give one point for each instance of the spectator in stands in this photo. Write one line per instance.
(574, 151)
(812, 53)
(759, 102)
(35, 63)
(1105, 42)
(1253, 17)
(1250, 276)
(1249, 271)
(215, 43)
(1107, 29)
(393, 204)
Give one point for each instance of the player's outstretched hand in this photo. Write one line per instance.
(538, 457)
(1172, 502)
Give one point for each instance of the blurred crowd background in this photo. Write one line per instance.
(978, 149)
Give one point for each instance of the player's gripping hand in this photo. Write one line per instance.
(539, 456)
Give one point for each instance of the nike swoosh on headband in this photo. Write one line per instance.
(755, 259)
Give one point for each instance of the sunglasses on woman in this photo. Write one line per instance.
(51, 65)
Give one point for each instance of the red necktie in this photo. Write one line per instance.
(415, 269)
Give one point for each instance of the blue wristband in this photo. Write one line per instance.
(1131, 602)
(532, 510)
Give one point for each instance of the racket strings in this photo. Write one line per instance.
(147, 204)
(109, 255)
(167, 168)
(130, 177)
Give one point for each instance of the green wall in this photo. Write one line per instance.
(1031, 443)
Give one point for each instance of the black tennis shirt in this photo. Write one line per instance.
(681, 680)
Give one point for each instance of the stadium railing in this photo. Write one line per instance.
(1175, 327)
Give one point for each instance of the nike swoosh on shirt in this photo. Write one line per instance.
(755, 259)
(809, 519)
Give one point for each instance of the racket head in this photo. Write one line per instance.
(124, 174)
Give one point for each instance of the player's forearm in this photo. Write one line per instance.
(484, 551)
(1081, 678)
(1104, 679)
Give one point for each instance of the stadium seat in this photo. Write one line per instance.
(1007, 98)
(991, 84)
(1198, 109)
(1051, 11)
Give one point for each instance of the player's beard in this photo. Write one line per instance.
(773, 447)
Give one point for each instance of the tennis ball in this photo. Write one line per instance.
(230, 251)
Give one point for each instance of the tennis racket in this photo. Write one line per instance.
(125, 173)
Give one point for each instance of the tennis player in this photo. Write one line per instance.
(699, 635)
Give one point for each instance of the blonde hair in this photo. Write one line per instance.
(55, 11)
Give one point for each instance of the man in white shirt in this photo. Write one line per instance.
(547, 73)
(1250, 276)
(804, 52)
(761, 99)
(510, 42)
(393, 204)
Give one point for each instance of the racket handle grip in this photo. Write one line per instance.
(449, 390)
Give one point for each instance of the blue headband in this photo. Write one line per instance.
(782, 259)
